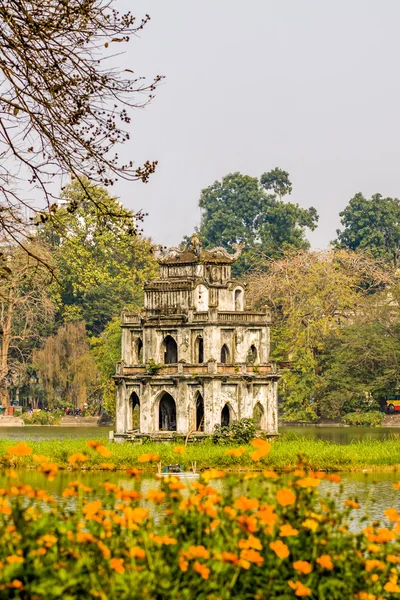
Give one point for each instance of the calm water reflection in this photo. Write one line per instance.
(341, 435)
(53, 433)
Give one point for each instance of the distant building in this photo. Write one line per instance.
(196, 357)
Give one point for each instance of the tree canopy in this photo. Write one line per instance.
(242, 209)
(101, 265)
(373, 226)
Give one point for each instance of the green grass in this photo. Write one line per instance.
(371, 455)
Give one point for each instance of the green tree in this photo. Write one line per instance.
(242, 209)
(371, 225)
(106, 351)
(313, 295)
(101, 264)
(26, 309)
(66, 368)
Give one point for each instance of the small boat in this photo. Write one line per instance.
(177, 471)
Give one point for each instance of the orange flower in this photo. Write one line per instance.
(396, 485)
(14, 559)
(285, 497)
(50, 470)
(16, 584)
(103, 451)
(302, 566)
(266, 514)
(325, 562)
(270, 474)
(41, 458)
(179, 449)
(252, 556)
(91, 509)
(249, 524)
(137, 552)
(351, 504)
(213, 474)
(20, 449)
(118, 565)
(235, 452)
(183, 564)
(392, 587)
(287, 530)
(370, 565)
(251, 542)
(391, 514)
(107, 466)
(197, 552)
(308, 482)
(201, 569)
(77, 458)
(148, 458)
(334, 478)
(243, 503)
(300, 588)
(280, 549)
(163, 540)
(156, 496)
(393, 559)
(133, 472)
(263, 448)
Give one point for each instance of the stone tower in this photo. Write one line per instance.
(196, 357)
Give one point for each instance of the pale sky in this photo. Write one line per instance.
(310, 86)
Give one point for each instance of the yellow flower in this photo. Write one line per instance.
(391, 587)
(285, 497)
(156, 496)
(351, 504)
(20, 449)
(118, 565)
(213, 474)
(280, 549)
(302, 566)
(270, 474)
(325, 562)
(107, 466)
(250, 542)
(41, 458)
(91, 509)
(372, 564)
(311, 524)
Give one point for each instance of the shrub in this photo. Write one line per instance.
(264, 537)
(41, 418)
(239, 432)
(366, 419)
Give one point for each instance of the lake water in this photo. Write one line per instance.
(339, 435)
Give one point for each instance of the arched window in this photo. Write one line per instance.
(252, 355)
(224, 354)
(258, 416)
(199, 350)
(139, 350)
(135, 405)
(170, 351)
(238, 299)
(167, 413)
(225, 416)
(199, 413)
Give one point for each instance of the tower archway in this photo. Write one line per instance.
(259, 416)
(225, 355)
(252, 355)
(199, 413)
(167, 413)
(199, 350)
(170, 350)
(139, 350)
(225, 416)
(135, 408)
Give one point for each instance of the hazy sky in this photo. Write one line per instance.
(310, 86)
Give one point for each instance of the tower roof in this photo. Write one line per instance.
(194, 253)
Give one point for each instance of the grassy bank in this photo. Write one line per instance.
(371, 455)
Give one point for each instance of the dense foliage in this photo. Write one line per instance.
(244, 209)
(222, 537)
